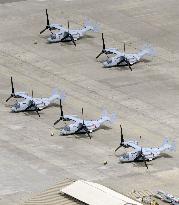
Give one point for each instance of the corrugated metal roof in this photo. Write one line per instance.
(71, 192)
(96, 194)
(52, 196)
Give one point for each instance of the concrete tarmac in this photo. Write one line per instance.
(145, 100)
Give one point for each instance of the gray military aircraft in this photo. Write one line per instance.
(166, 197)
(81, 125)
(66, 34)
(30, 103)
(123, 58)
(143, 154)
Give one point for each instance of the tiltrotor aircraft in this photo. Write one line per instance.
(66, 34)
(30, 103)
(123, 58)
(143, 154)
(81, 125)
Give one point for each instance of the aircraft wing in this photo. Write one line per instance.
(73, 118)
(113, 51)
(133, 144)
(76, 34)
(23, 95)
(56, 26)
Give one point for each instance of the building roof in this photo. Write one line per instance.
(95, 194)
(71, 192)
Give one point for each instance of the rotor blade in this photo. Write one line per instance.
(124, 47)
(36, 109)
(72, 39)
(32, 104)
(48, 23)
(82, 116)
(67, 35)
(117, 148)
(103, 47)
(89, 135)
(126, 60)
(144, 159)
(123, 60)
(103, 42)
(9, 98)
(122, 137)
(130, 67)
(32, 93)
(12, 85)
(83, 127)
(68, 26)
(57, 121)
(146, 164)
(139, 155)
(99, 54)
(80, 127)
(43, 30)
(12, 91)
(138, 158)
(61, 108)
(87, 131)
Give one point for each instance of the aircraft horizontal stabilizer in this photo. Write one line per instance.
(94, 26)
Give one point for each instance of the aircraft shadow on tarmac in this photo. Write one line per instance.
(31, 113)
(125, 67)
(88, 36)
(145, 60)
(68, 43)
(77, 136)
(141, 164)
(165, 155)
(53, 105)
(105, 127)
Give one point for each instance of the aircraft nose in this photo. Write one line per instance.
(13, 109)
(121, 159)
(105, 64)
(49, 40)
(62, 132)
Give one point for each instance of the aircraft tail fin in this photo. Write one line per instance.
(147, 50)
(55, 96)
(91, 26)
(173, 146)
(167, 146)
(106, 117)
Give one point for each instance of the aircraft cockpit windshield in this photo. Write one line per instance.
(17, 105)
(67, 128)
(125, 156)
(109, 61)
(53, 36)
